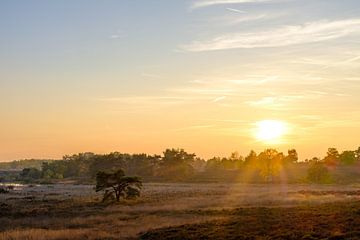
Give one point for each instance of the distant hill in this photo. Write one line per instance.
(21, 164)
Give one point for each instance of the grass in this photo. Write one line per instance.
(324, 221)
(182, 211)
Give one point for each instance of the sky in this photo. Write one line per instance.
(145, 75)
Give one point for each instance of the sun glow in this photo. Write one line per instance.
(270, 130)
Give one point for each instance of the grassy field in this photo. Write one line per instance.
(183, 211)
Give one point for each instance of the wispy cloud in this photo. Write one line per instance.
(259, 81)
(207, 3)
(149, 103)
(273, 102)
(326, 63)
(119, 34)
(249, 18)
(282, 101)
(282, 36)
(115, 36)
(344, 62)
(151, 100)
(218, 99)
(205, 91)
(223, 87)
(195, 127)
(235, 10)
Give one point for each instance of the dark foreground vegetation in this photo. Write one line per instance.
(269, 166)
(325, 221)
(183, 211)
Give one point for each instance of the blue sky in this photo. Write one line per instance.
(158, 73)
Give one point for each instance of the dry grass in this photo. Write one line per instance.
(325, 221)
(44, 234)
(74, 211)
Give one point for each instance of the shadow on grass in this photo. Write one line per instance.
(325, 221)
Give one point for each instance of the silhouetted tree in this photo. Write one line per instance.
(292, 156)
(176, 164)
(332, 157)
(347, 157)
(357, 154)
(141, 164)
(270, 163)
(108, 162)
(116, 185)
(251, 159)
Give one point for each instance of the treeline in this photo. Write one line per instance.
(177, 165)
(21, 164)
(334, 157)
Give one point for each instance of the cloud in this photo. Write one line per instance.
(282, 36)
(153, 100)
(218, 99)
(118, 35)
(222, 87)
(325, 64)
(259, 81)
(282, 101)
(345, 62)
(235, 10)
(115, 36)
(250, 18)
(205, 91)
(207, 3)
(195, 127)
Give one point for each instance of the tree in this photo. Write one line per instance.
(347, 157)
(332, 157)
(176, 164)
(141, 164)
(213, 164)
(318, 173)
(270, 163)
(116, 185)
(199, 165)
(251, 159)
(292, 156)
(357, 154)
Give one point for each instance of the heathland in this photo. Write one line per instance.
(269, 195)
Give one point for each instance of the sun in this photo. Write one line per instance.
(270, 130)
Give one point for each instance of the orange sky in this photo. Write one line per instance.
(197, 74)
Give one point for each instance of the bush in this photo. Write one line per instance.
(29, 174)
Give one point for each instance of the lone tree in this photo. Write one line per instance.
(116, 185)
